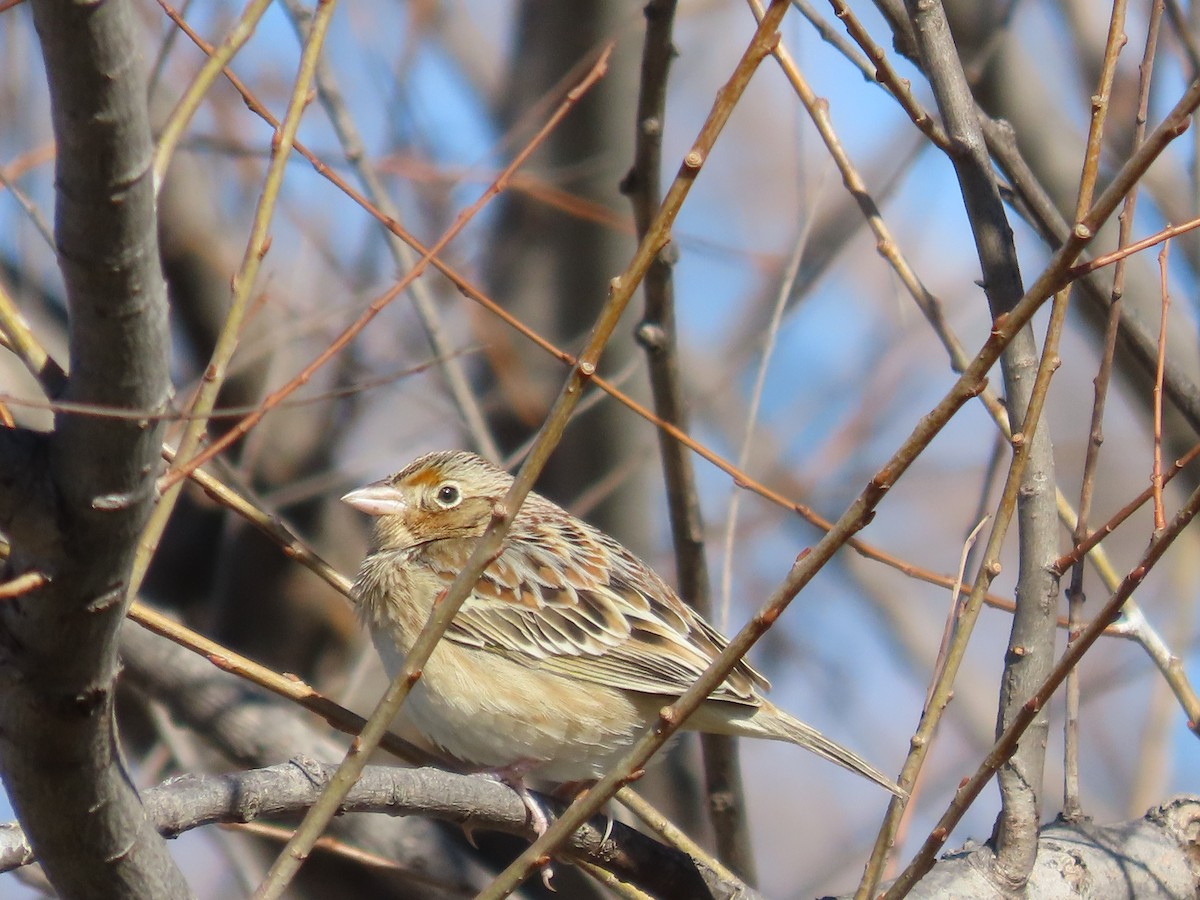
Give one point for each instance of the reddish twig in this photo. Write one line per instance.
(1077, 552)
(181, 471)
(22, 584)
(1006, 745)
(1107, 259)
(1156, 478)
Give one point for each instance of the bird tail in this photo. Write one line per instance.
(769, 721)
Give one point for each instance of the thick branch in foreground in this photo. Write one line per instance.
(248, 726)
(1152, 857)
(94, 481)
(286, 790)
(253, 729)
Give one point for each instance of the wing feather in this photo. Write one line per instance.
(606, 620)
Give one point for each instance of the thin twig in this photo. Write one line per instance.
(423, 302)
(1007, 742)
(22, 341)
(1101, 100)
(1133, 625)
(1075, 596)
(1072, 556)
(770, 336)
(1124, 252)
(676, 837)
(177, 122)
(889, 79)
(657, 236)
(223, 412)
(486, 549)
(243, 285)
(35, 216)
(22, 584)
(955, 611)
(1156, 477)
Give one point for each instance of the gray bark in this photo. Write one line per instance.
(76, 498)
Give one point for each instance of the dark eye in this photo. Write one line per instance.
(448, 495)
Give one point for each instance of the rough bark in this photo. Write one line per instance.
(86, 488)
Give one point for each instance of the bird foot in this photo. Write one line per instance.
(514, 776)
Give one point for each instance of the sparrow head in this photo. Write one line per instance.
(447, 494)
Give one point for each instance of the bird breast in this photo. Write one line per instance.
(395, 595)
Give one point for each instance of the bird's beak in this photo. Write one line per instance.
(378, 499)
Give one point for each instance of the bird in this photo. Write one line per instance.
(565, 650)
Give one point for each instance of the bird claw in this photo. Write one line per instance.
(469, 833)
(608, 827)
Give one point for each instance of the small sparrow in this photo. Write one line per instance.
(567, 647)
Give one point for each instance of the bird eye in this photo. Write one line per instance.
(448, 495)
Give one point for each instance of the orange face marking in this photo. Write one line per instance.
(425, 476)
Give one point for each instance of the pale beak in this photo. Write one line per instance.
(378, 499)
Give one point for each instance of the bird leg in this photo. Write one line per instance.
(514, 776)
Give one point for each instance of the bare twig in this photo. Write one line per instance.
(889, 79)
(177, 122)
(423, 302)
(657, 236)
(1101, 99)
(1071, 805)
(1156, 476)
(657, 335)
(25, 345)
(23, 584)
(257, 245)
(487, 547)
(1006, 744)
(31, 210)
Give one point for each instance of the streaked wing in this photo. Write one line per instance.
(608, 620)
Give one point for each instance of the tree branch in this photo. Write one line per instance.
(285, 790)
(657, 335)
(1151, 857)
(58, 748)
(1031, 643)
(251, 728)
